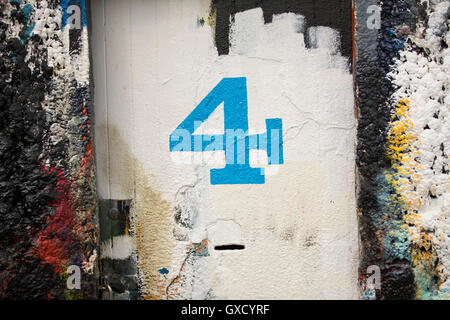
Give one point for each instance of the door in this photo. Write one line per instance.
(231, 129)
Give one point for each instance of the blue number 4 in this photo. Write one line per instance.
(236, 141)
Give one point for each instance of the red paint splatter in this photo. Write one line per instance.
(58, 241)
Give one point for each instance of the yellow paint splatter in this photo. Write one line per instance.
(407, 181)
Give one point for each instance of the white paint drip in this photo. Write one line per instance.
(119, 248)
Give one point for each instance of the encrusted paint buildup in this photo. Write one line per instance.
(47, 186)
(403, 145)
(419, 146)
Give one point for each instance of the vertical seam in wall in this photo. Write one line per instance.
(108, 159)
(355, 149)
(131, 92)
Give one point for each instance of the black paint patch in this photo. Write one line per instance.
(25, 189)
(334, 14)
(230, 247)
(75, 40)
(398, 282)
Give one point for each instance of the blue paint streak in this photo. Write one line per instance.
(163, 271)
(65, 4)
(27, 11)
(236, 142)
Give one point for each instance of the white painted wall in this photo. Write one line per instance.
(152, 65)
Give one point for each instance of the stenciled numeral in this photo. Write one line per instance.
(236, 141)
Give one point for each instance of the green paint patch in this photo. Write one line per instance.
(200, 22)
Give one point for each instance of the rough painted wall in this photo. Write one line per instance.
(295, 236)
(154, 62)
(402, 82)
(47, 190)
